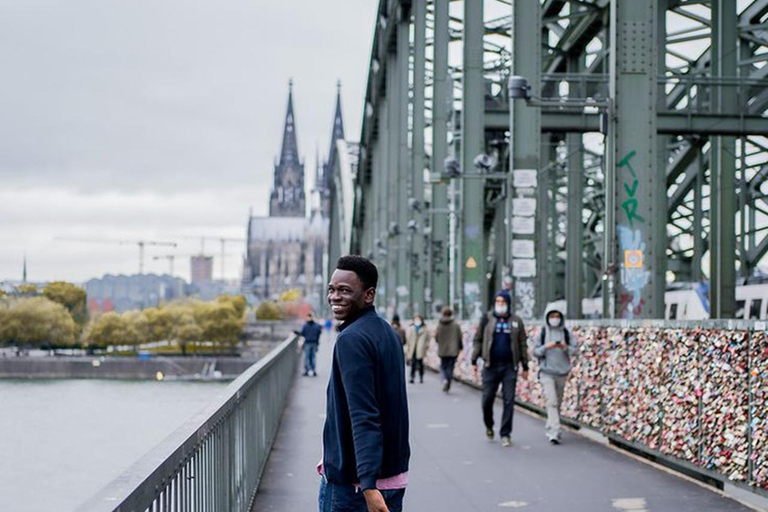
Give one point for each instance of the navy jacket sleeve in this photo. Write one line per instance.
(355, 356)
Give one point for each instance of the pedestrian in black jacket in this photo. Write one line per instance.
(311, 332)
(365, 438)
(500, 341)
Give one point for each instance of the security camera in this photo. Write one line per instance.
(452, 167)
(413, 225)
(518, 88)
(483, 162)
(414, 204)
(394, 229)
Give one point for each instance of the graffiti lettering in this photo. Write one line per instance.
(630, 205)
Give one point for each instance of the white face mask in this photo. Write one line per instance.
(501, 309)
(418, 323)
(555, 321)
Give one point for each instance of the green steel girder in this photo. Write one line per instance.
(668, 123)
(573, 38)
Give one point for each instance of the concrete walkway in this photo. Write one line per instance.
(454, 468)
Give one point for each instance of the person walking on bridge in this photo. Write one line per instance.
(398, 328)
(500, 341)
(416, 338)
(554, 350)
(311, 332)
(449, 340)
(365, 437)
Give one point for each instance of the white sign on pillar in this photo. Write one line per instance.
(522, 240)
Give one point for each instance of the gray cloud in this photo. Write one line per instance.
(147, 117)
(152, 94)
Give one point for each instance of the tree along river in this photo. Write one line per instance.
(63, 440)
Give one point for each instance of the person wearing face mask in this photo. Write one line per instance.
(500, 341)
(554, 351)
(416, 347)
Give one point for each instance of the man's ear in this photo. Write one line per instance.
(369, 296)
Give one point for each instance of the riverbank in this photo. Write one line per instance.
(261, 337)
(124, 368)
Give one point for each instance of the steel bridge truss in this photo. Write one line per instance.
(627, 169)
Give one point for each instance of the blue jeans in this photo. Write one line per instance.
(310, 349)
(346, 498)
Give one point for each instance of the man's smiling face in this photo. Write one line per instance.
(347, 294)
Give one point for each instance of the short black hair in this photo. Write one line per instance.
(365, 270)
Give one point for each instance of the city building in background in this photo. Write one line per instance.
(124, 293)
(202, 269)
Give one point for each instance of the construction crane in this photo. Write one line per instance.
(222, 240)
(140, 243)
(172, 258)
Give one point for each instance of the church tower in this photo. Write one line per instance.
(324, 182)
(287, 198)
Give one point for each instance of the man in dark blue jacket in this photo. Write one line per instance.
(311, 333)
(500, 341)
(365, 438)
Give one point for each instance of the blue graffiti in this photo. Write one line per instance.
(634, 280)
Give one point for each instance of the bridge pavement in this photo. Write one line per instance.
(454, 468)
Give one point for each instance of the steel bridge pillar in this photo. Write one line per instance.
(472, 264)
(574, 236)
(528, 257)
(441, 106)
(723, 165)
(416, 229)
(403, 169)
(638, 182)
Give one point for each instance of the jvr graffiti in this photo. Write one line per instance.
(634, 275)
(631, 204)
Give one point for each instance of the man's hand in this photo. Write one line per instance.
(375, 501)
(550, 345)
(476, 371)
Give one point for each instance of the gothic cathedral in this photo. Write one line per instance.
(288, 249)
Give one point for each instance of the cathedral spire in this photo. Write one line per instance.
(338, 122)
(289, 154)
(287, 198)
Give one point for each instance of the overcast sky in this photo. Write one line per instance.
(155, 119)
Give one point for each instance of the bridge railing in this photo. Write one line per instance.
(214, 461)
(694, 394)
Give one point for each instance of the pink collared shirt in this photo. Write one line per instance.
(383, 484)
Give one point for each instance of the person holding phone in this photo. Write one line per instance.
(554, 350)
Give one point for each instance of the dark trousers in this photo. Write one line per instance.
(506, 375)
(446, 369)
(417, 365)
(346, 498)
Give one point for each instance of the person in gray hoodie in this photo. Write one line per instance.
(554, 348)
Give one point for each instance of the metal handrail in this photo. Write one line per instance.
(214, 461)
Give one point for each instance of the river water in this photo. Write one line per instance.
(63, 440)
